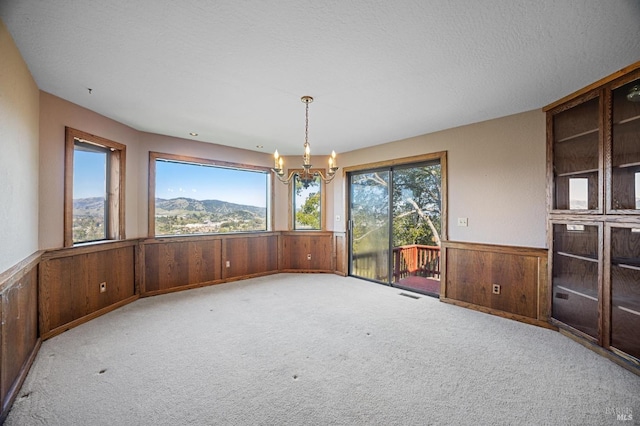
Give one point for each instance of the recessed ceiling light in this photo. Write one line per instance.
(193, 133)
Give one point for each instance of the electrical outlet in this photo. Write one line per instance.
(496, 289)
(463, 221)
(228, 264)
(309, 256)
(103, 287)
(338, 218)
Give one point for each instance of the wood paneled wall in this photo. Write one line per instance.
(340, 244)
(50, 293)
(19, 340)
(249, 256)
(175, 264)
(307, 251)
(70, 284)
(470, 270)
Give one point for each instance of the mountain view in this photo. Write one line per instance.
(188, 216)
(174, 217)
(88, 219)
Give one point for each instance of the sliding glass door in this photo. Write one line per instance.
(395, 225)
(369, 221)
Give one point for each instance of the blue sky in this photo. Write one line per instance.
(174, 180)
(89, 170)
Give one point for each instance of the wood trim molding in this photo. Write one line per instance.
(323, 205)
(496, 248)
(395, 162)
(606, 80)
(54, 332)
(19, 270)
(117, 179)
(151, 184)
(17, 384)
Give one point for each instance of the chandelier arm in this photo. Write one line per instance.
(286, 180)
(328, 178)
(307, 174)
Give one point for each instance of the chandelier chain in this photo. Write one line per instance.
(307, 176)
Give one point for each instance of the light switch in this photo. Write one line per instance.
(463, 221)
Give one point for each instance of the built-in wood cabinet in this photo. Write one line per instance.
(593, 169)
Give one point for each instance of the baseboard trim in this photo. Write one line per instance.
(503, 314)
(17, 384)
(68, 326)
(633, 366)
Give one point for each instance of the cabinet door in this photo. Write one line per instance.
(575, 151)
(623, 172)
(576, 276)
(624, 278)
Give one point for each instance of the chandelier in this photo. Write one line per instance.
(306, 176)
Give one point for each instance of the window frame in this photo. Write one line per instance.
(154, 155)
(292, 213)
(115, 183)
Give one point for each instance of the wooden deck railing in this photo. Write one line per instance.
(415, 259)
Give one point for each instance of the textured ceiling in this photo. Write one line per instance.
(234, 71)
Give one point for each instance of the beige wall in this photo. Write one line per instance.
(170, 145)
(496, 177)
(18, 157)
(56, 113)
(496, 173)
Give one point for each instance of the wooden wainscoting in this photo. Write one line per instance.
(306, 251)
(471, 270)
(340, 244)
(70, 284)
(19, 342)
(249, 256)
(179, 263)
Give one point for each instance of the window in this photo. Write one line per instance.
(307, 204)
(198, 196)
(94, 188)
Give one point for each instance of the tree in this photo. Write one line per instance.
(417, 204)
(308, 214)
(416, 211)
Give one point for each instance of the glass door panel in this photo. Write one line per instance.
(416, 228)
(576, 162)
(625, 290)
(575, 276)
(625, 147)
(369, 196)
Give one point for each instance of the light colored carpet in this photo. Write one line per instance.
(303, 349)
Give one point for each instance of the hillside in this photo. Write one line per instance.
(174, 216)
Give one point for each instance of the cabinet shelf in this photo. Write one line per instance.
(631, 311)
(577, 135)
(578, 172)
(627, 165)
(576, 292)
(577, 256)
(627, 263)
(627, 120)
